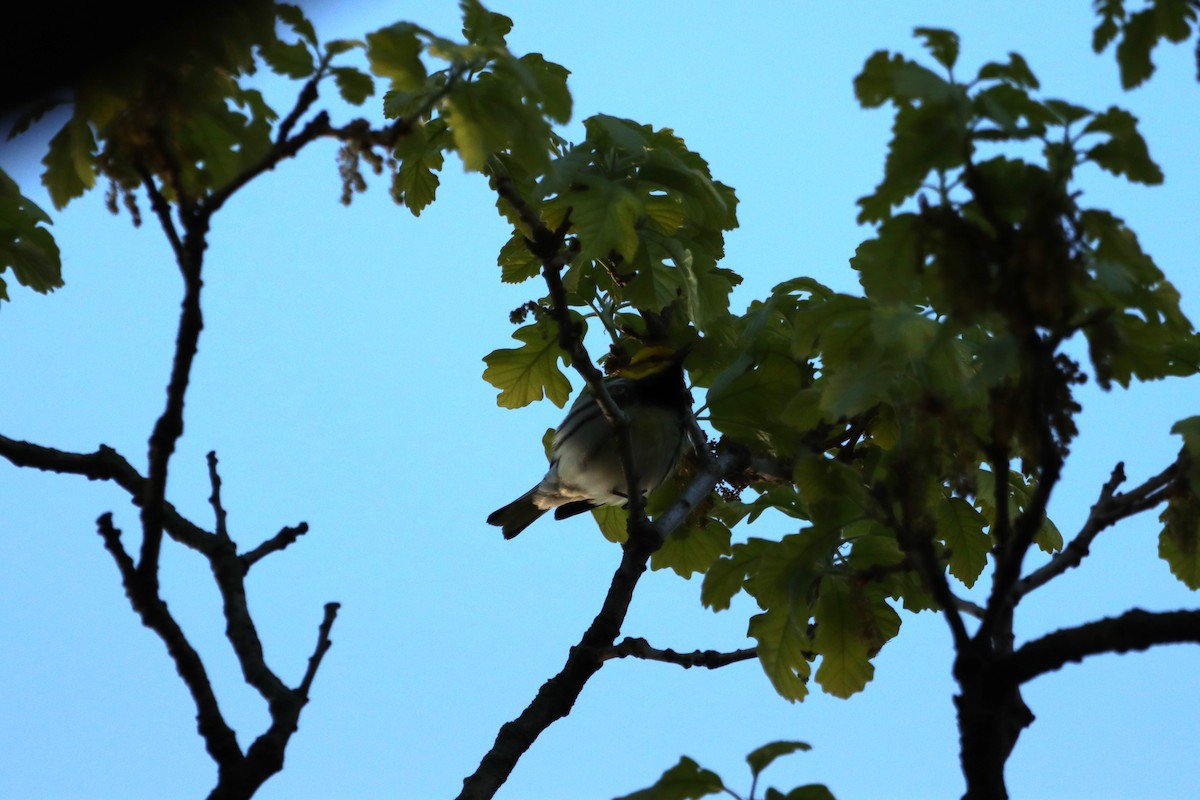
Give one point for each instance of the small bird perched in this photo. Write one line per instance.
(585, 465)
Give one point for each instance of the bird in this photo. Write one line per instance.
(585, 465)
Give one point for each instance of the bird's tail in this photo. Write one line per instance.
(517, 515)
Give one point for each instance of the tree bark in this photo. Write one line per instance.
(991, 717)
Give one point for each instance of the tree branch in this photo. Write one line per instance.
(215, 498)
(106, 464)
(1109, 509)
(323, 645)
(285, 537)
(169, 426)
(1135, 630)
(238, 775)
(557, 696)
(219, 739)
(551, 248)
(710, 659)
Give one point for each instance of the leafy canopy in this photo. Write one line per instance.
(916, 421)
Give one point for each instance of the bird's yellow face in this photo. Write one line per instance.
(650, 361)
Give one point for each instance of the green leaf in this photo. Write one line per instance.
(70, 169)
(888, 264)
(1111, 12)
(726, 576)
(1067, 112)
(483, 27)
(517, 263)
(941, 44)
(1016, 72)
(927, 137)
(613, 522)
(960, 526)
(691, 549)
(782, 649)
(654, 286)
(26, 246)
(527, 373)
(395, 53)
(746, 407)
(845, 654)
(1007, 105)
(832, 492)
(810, 791)
(339, 46)
(664, 213)
(762, 757)
(687, 780)
(1189, 429)
(604, 214)
(1179, 542)
(294, 18)
(293, 59)
(415, 183)
(353, 85)
(1125, 152)
(887, 76)
(1138, 38)
(551, 82)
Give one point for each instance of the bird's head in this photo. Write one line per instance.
(652, 360)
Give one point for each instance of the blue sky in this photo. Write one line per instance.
(338, 379)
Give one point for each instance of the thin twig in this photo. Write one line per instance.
(1109, 509)
(323, 645)
(286, 536)
(219, 739)
(214, 499)
(108, 465)
(710, 659)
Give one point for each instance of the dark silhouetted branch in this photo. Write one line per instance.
(710, 659)
(558, 695)
(1109, 509)
(105, 464)
(279, 541)
(219, 738)
(1134, 630)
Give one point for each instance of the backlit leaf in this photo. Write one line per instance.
(782, 647)
(691, 549)
(527, 373)
(516, 262)
(604, 214)
(761, 757)
(942, 45)
(353, 85)
(1125, 152)
(70, 170)
(687, 780)
(960, 526)
(483, 27)
(1179, 542)
(395, 52)
(845, 661)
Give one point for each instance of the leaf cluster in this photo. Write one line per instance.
(26, 245)
(1139, 32)
(910, 434)
(475, 98)
(687, 780)
(174, 110)
(645, 223)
